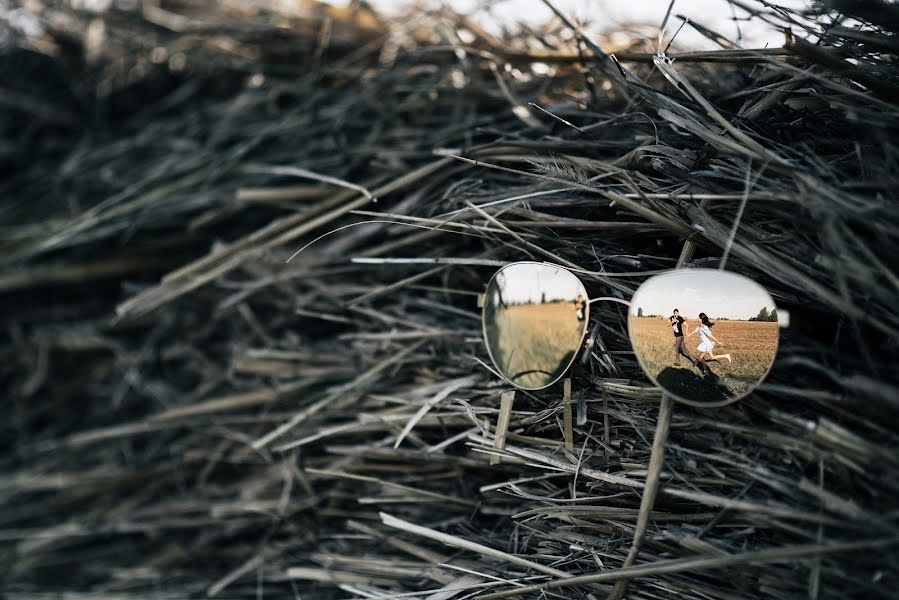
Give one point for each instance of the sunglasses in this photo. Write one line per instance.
(704, 336)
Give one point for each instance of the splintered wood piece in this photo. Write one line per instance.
(502, 424)
(566, 414)
(656, 461)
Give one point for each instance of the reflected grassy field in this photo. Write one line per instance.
(533, 343)
(752, 345)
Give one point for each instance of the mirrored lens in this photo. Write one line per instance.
(535, 318)
(704, 335)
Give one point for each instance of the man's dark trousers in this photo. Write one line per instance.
(680, 349)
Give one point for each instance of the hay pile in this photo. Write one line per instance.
(190, 414)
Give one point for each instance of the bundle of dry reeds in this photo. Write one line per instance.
(194, 409)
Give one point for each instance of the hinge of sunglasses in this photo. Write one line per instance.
(783, 318)
(481, 300)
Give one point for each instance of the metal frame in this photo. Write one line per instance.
(750, 389)
(580, 343)
(782, 322)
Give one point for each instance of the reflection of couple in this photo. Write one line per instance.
(580, 307)
(707, 341)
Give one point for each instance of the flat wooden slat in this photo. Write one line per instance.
(502, 424)
(566, 412)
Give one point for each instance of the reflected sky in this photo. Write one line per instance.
(691, 291)
(528, 282)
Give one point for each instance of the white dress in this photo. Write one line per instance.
(705, 344)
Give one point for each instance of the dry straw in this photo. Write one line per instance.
(190, 414)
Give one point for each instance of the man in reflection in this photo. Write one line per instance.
(580, 307)
(677, 325)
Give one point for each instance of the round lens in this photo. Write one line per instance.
(535, 318)
(702, 335)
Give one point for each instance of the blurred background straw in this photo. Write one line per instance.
(190, 412)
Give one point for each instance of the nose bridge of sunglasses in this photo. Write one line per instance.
(609, 299)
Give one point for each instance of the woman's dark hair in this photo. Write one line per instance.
(705, 320)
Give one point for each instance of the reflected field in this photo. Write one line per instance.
(532, 344)
(753, 345)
